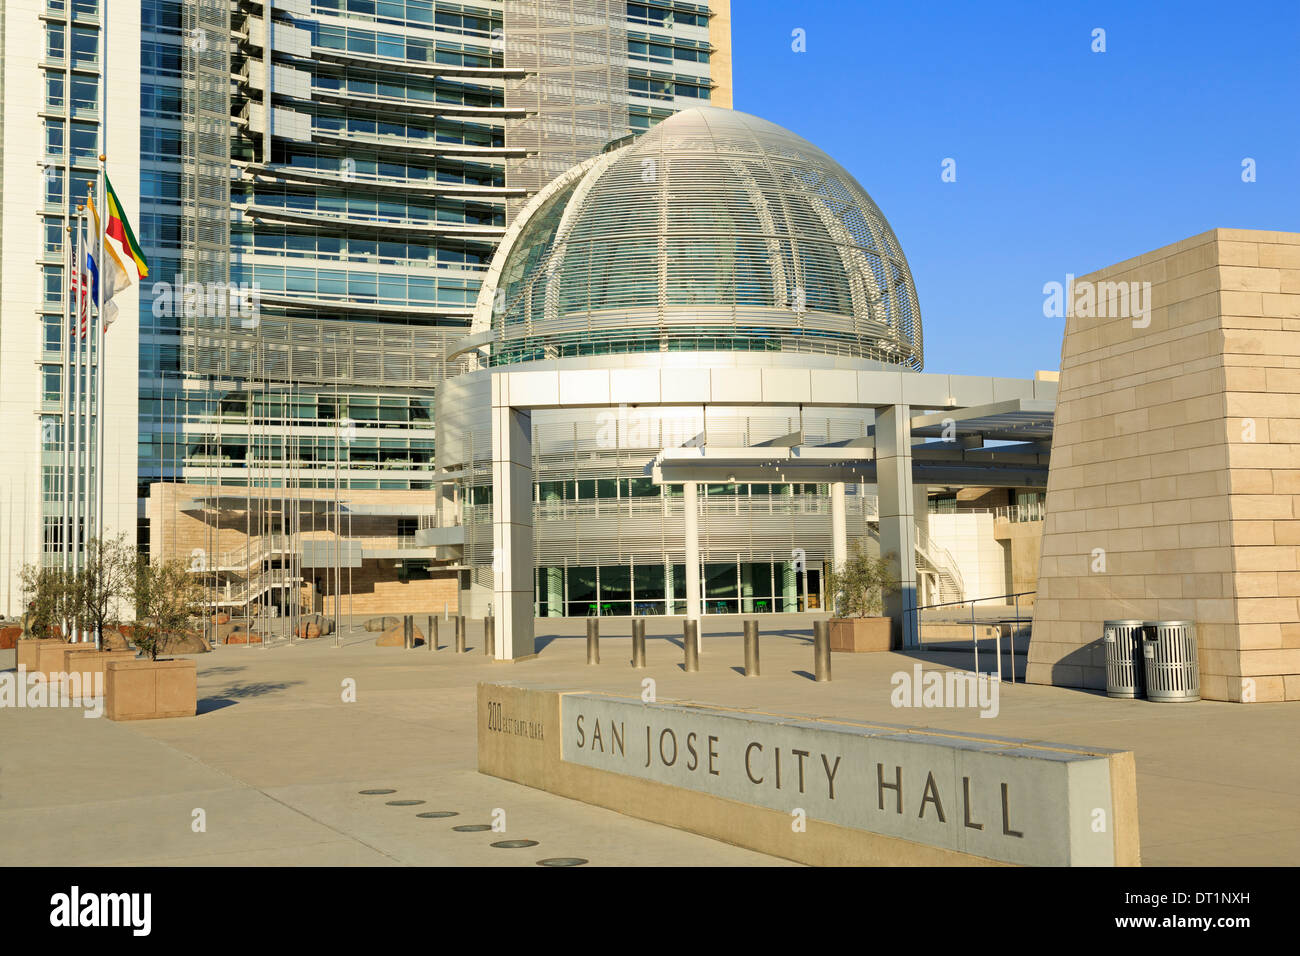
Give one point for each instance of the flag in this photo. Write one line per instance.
(123, 259)
(87, 291)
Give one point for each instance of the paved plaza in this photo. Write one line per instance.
(275, 758)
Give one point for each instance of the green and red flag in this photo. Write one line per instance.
(124, 260)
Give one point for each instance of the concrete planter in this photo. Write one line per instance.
(52, 655)
(144, 689)
(859, 635)
(29, 652)
(93, 662)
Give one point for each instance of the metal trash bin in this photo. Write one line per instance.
(1173, 672)
(1125, 670)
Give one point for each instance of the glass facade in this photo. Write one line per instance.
(371, 197)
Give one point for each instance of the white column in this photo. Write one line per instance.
(691, 503)
(512, 525)
(897, 518)
(839, 535)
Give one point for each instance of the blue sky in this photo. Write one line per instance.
(1066, 160)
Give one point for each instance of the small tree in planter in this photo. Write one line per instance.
(47, 591)
(49, 601)
(167, 597)
(101, 588)
(857, 589)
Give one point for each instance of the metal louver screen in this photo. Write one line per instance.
(575, 91)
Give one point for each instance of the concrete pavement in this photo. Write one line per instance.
(275, 758)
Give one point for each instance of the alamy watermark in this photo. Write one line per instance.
(25, 688)
(1086, 299)
(192, 300)
(945, 689)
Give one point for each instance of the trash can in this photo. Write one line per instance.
(1124, 663)
(1169, 653)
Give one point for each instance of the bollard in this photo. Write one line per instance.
(460, 633)
(638, 642)
(821, 651)
(489, 636)
(593, 640)
(431, 635)
(751, 648)
(691, 645)
(408, 631)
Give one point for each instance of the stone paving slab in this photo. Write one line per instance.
(276, 757)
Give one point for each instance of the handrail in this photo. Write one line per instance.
(930, 549)
(1031, 511)
(974, 624)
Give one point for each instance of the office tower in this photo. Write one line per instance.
(54, 104)
(374, 155)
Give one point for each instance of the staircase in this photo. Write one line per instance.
(938, 559)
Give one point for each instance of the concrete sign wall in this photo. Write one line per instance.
(814, 790)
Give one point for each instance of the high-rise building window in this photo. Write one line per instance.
(85, 143)
(53, 276)
(53, 247)
(53, 340)
(54, 42)
(85, 95)
(82, 185)
(54, 86)
(85, 46)
(54, 144)
(53, 186)
(51, 378)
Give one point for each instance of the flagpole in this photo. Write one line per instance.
(87, 424)
(76, 411)
(70, 308)
(101, 339)
(99, 261)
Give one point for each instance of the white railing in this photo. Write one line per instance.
(1030, 511)
(941, 560)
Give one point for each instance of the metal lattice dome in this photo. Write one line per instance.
(714, 230)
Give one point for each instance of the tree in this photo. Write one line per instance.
(859, 585)
(49, 594)
(167, 597)
(102, 587)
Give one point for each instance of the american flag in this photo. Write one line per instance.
(81, 289)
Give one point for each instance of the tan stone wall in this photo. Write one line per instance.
(375, 586)
(720, 59)
(376, 590)
(1025, 541)
(1177, 454)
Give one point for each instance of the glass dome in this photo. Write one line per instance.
(714, 230)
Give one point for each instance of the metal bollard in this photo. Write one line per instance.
(691, 645)
(431, 635)
(489, 636)
(593, 640)
(460, 633)
(638, 642)
(408, 631)
(821, 651)
(751, 648)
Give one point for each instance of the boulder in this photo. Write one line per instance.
(221, 617)
(392, 637)
(115, 641)
(244, 637)
(315, 625)
(186, 642)
(383, 623)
